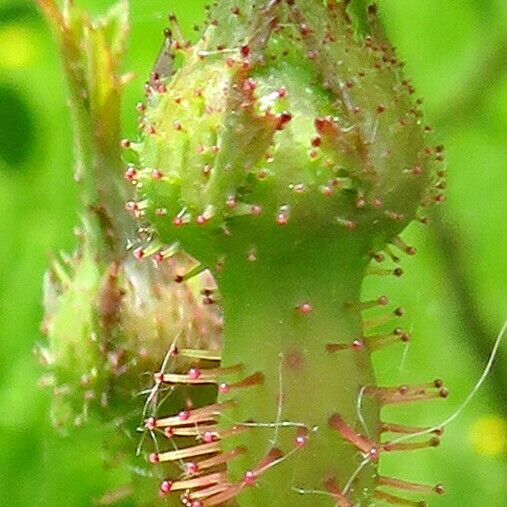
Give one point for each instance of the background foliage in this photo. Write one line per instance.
(454, 290)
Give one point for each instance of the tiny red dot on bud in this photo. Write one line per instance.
(398, 272)
(159, 257)
(223, 388)
(439, 488)
(383, 300)
(156, 174)
(256, 209)
(201, 219)
(168, 432)
(154, 458)
(381, 108)
(245, 51)
(311, 55)
(282, 218)
(360, 203)
(282, 92)
(301, 441)
(304, 29)
(139, 253)
(125, 143)
(249, 85)
(357, 344)
(178, 221)
(373, 454)
(177, 125)
(249, 477)
(141, 107)
(158, 377)
(305, 308)
(231, 202)
(283, 119)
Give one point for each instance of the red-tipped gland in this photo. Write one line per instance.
(156, 174)
(255, 210)
(245, 51)
(154, 458)
(131, 174)
(316, 141)
(304, 29)
(231, 202)
(168, 432)
(366, 446)
(301, 437)
(208, 437)
(158, 377)
(223, 388)
(150, 424)
(283, 119)
(165, 487)
(161, 88)
(282, 92)
(381, 108)
(194, 373)
(139, 253)
(411, 446)
(184, 415)
(125, 144)
(159, 257)
(409, 486)
(249, 85)
(191, 468)
(301, 441)
(282, 218)
(357, 344)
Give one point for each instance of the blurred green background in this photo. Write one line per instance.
(455, 290)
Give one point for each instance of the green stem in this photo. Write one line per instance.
(91, 53)
(303, 382)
